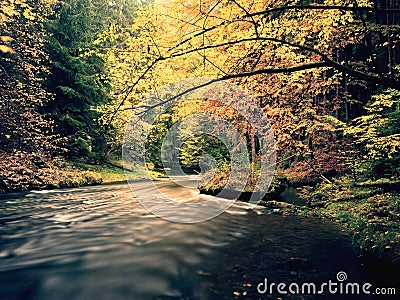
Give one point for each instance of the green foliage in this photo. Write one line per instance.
(22, 126)
(193, 148)
(371, 215)
(199, 145)
(377, 135)
(156, 137)
(77, 76)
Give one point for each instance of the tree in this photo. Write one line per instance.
(377, 138)
(22, 127)
(308, 35)
(313, 66)
(77, 76)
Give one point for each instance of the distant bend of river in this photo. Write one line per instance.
(100, 243)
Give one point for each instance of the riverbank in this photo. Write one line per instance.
(21, 171)
(374, 223)
(369, 211)
(215, 181)
(113, 172)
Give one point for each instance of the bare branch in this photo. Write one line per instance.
(130, 90)
(381, 80)
(324, 7)
(240, 75)
(247, 14)
(285, 8)
(327, 62)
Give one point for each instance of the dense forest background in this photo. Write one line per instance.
(71, 71)
(326, 73)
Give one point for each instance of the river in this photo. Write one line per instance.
(100, 243)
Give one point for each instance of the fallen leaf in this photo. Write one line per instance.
(6, 49)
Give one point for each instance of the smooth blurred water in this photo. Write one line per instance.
(290, 196)
(100, 243)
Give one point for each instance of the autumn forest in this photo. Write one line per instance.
(326, 73)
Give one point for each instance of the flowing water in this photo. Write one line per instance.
(100, 243)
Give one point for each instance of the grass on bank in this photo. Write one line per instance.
(369, 210)
(113, 172)
(21, 171)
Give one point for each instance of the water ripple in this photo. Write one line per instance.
(100, 243)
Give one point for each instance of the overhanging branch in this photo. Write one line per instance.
(324, 7)
(380, 80)
(327, 62)
(240, 75)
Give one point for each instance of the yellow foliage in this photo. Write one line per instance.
(5, 39)
(6, 49)
(177, 39)
(28, 14)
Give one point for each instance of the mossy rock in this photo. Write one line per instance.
(277, 187)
